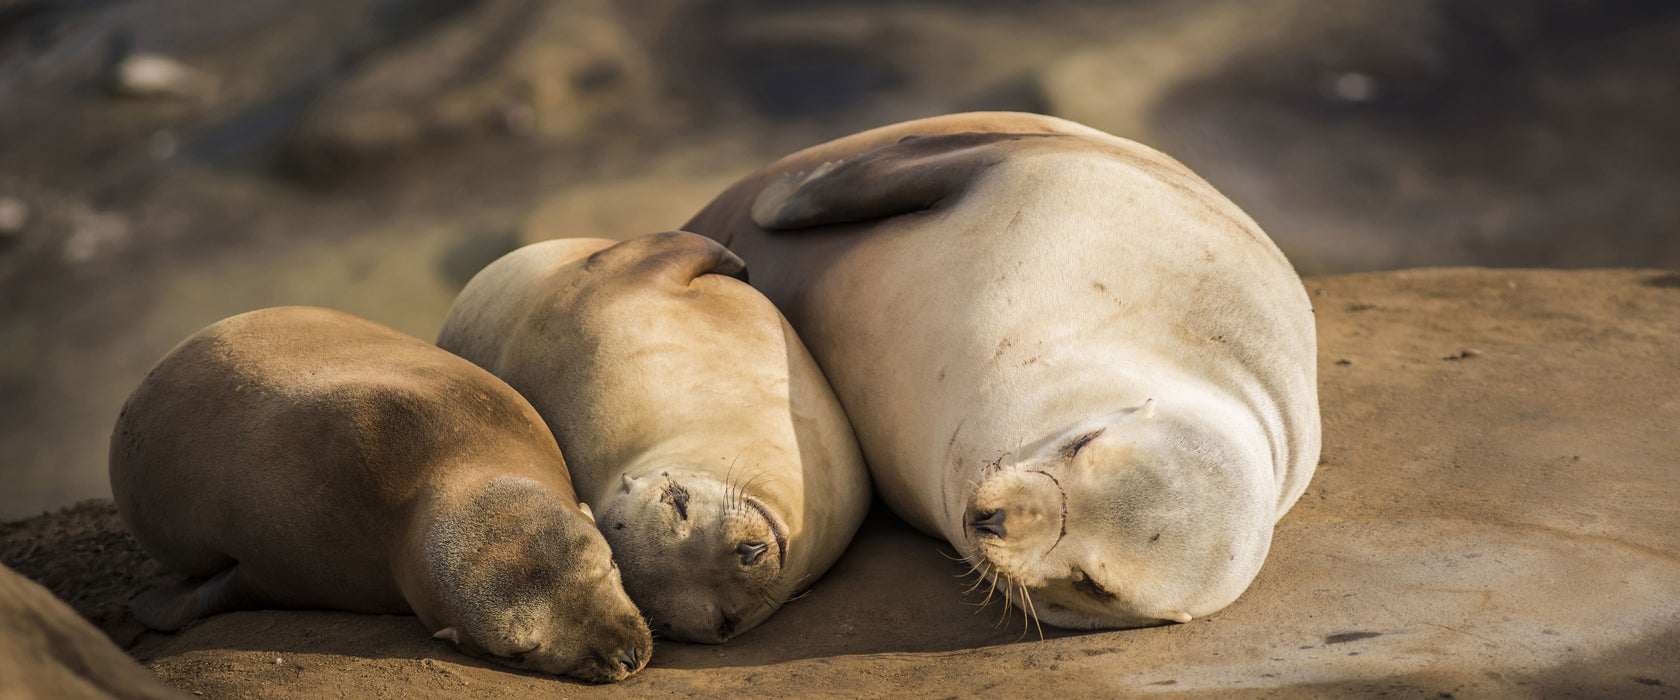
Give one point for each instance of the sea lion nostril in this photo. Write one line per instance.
(630, 659)
(989, 523)
(751, 551)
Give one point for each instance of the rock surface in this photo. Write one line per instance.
(1497, 514)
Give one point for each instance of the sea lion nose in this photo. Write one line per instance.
(989, 523)
(630, 658)
(750, 552)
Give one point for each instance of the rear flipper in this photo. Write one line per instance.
(169, 608)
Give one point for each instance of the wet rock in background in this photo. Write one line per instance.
(531, 68)
(1509, 133)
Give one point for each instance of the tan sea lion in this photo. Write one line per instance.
(717, 459)
(49, 651)
(307, 458)
(1060, 350)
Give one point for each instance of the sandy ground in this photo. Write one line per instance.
(1497, 514)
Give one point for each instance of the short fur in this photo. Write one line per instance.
(717, 460)
(995, 298)
(49, 651)
(307, 458)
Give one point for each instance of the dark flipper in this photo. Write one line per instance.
(678, 255)
(172, 607)
(915, 174)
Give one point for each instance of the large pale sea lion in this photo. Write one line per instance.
(1060, 350)
(717, 459)
(307, 458)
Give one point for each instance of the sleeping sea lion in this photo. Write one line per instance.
(306, 458)
(1060, 350)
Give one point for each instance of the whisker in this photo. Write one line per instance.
(1025, 628)
(950, 556)
(992, 577)
(1033, 610)
(1008, 600)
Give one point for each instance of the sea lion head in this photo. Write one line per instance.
(1135, 518)
(702, 556)
(526, 580)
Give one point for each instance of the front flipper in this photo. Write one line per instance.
(915, 174)
(171, 607)
(678, 255)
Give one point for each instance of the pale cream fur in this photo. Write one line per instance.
(1040, 291)
(694, 422)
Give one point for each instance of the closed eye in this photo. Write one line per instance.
(677, 496)
(1072, 447)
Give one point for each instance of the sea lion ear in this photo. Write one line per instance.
(678, 255)
(449, 634)
(587, 513)
(915, 174)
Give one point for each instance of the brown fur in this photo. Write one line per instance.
(307, 458)
(48, 651)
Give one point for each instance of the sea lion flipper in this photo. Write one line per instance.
(915, 174)
(169, 608)
(679, 255)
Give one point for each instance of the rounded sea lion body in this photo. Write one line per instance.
(1060, 350)
(719, 464)
(307, 458)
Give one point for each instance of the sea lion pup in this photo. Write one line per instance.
(1060, 350)
(307, 458)
(49, 651)
(718, 462)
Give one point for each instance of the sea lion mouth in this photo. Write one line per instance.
(775, 529)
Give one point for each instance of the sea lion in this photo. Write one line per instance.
(1060, 350)
(49, 651)
(307, 458)
(718, 461)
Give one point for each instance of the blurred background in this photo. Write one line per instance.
(167, 163)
